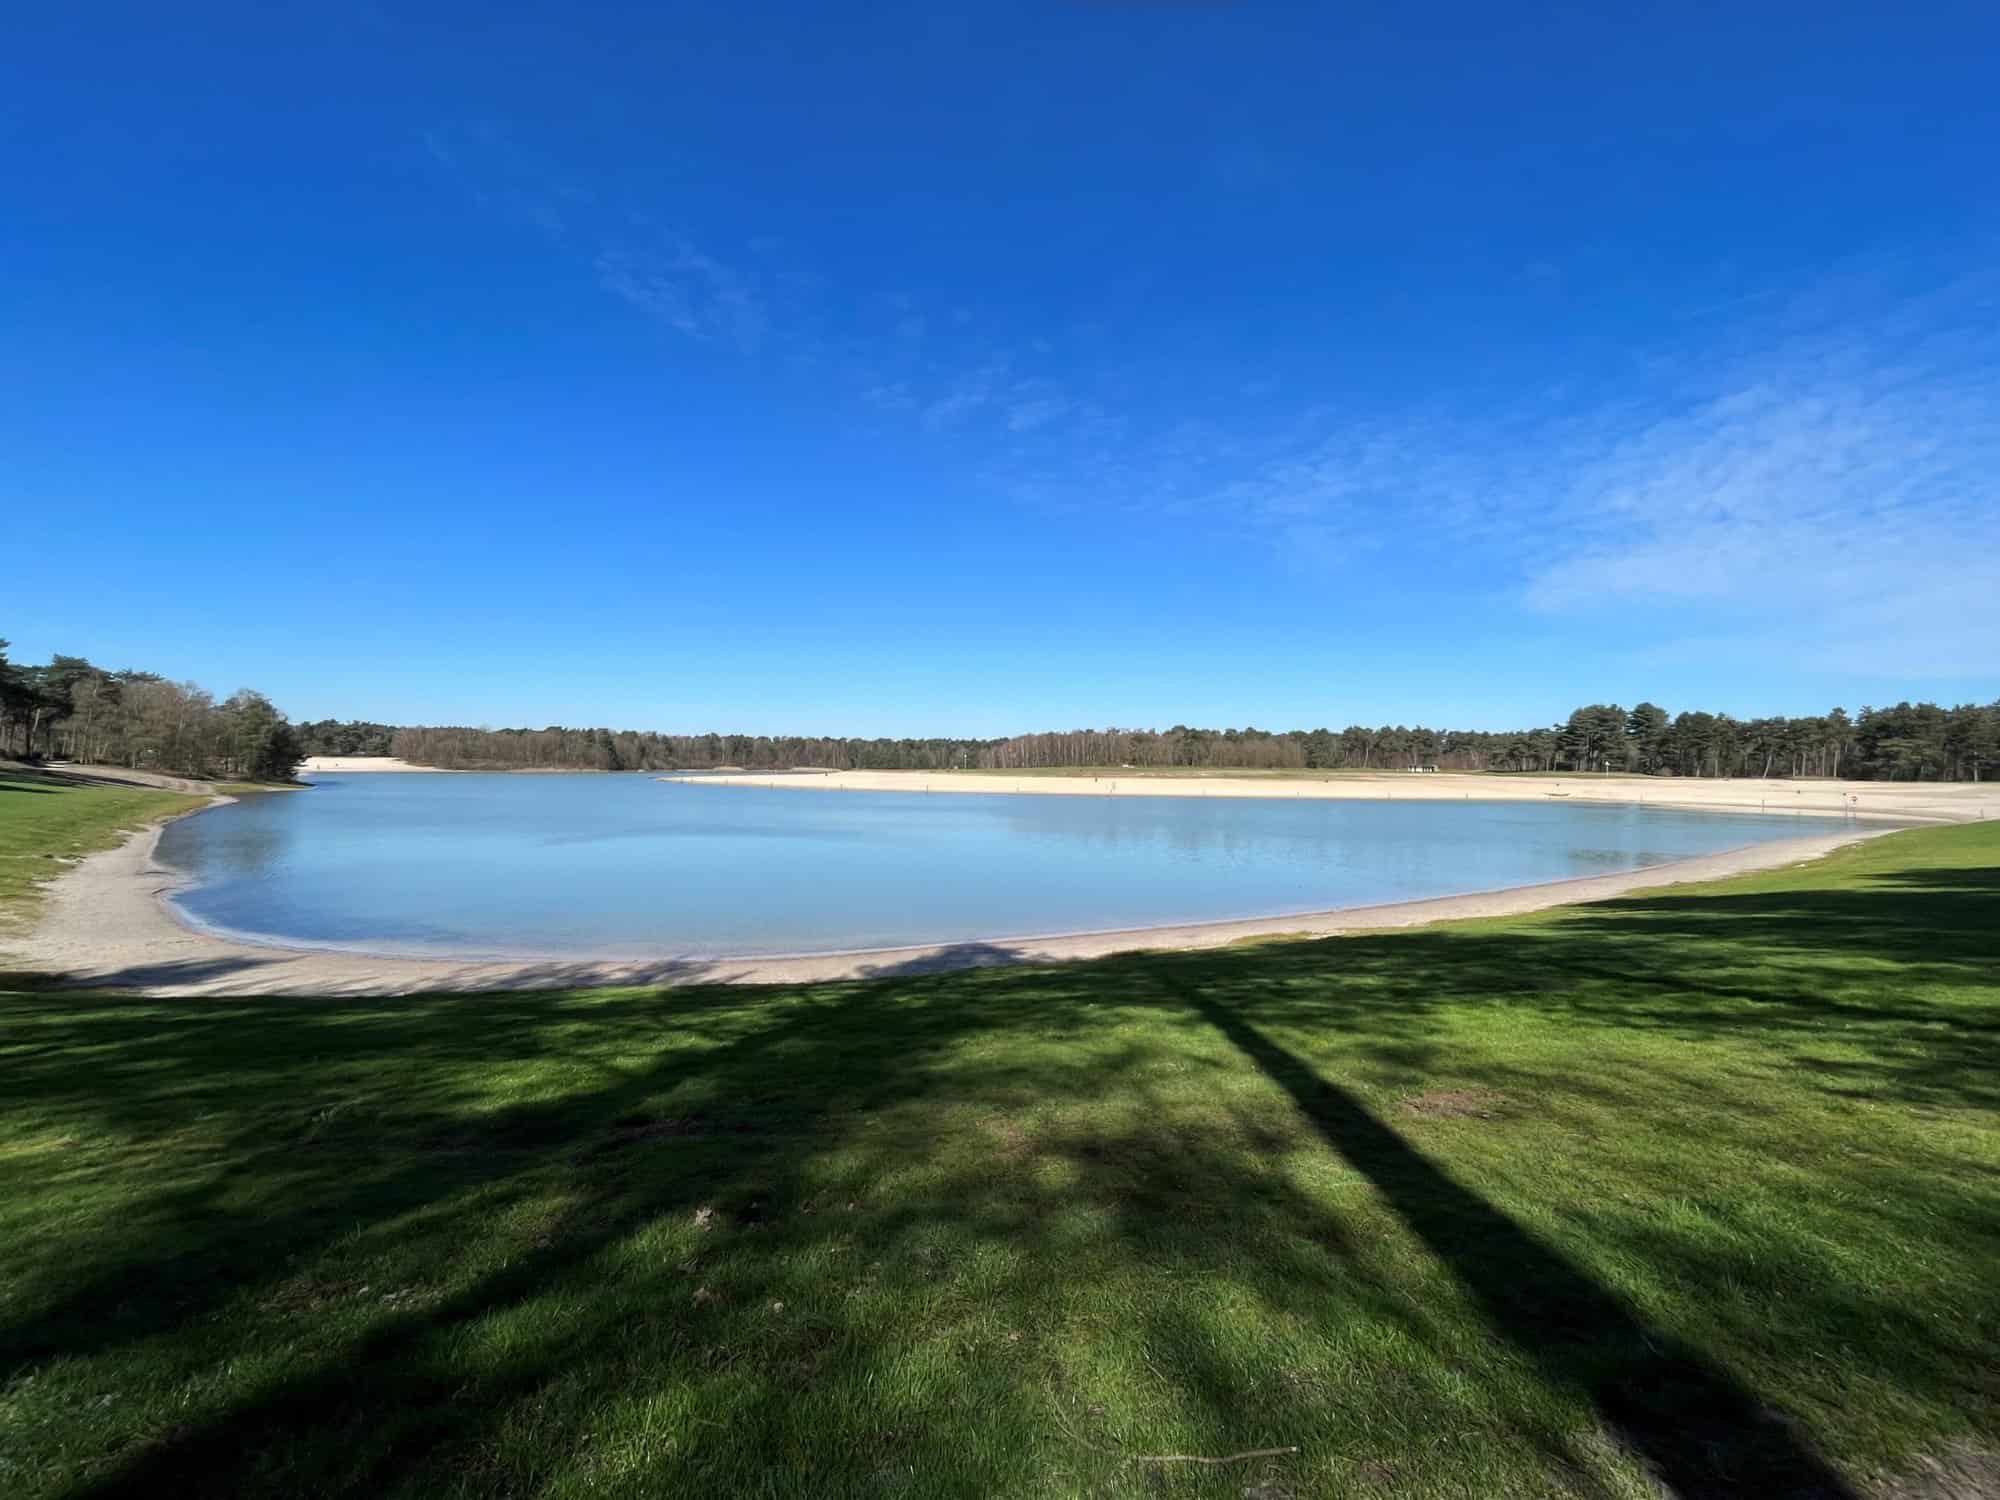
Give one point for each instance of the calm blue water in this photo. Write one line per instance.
(630, 867)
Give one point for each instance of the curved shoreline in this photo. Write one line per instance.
(108, 925)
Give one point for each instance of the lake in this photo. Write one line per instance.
(628, 867)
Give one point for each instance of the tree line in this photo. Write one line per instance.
(1919, 741)
(632, 750)
(70, 709)
(1907, 742)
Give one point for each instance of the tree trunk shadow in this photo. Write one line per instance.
(1696, 1428)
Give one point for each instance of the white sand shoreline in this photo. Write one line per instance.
(1950, 802)
(363, 765)
(108, 924)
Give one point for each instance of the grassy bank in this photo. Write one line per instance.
(47, 821)
(1702, 1184)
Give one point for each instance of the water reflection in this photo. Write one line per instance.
(245, 847)
(630, 867)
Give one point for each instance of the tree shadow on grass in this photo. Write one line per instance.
(1698, 1430)
(735, 1155)
(911, 1184)
(953, 957)
(58, 778)
(166, 974)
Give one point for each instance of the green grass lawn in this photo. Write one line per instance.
(1701, 1184)
(46, 820)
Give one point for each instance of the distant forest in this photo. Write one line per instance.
(1918, 742)
(72, 710)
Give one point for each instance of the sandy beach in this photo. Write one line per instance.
(1944, 802)
(352, 765)
(106, 924)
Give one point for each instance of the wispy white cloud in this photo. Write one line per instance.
(895, 396)
(508, 179)
(968, 392)
(689, 291)
(1821, 477)
(661, 271)
(885, 348)
(1037, 411)
(1843, 489)
(1819, 470)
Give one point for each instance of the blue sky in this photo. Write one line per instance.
(905, 370)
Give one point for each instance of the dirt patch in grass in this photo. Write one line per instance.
(1455, 1104)
(1012, 1137)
